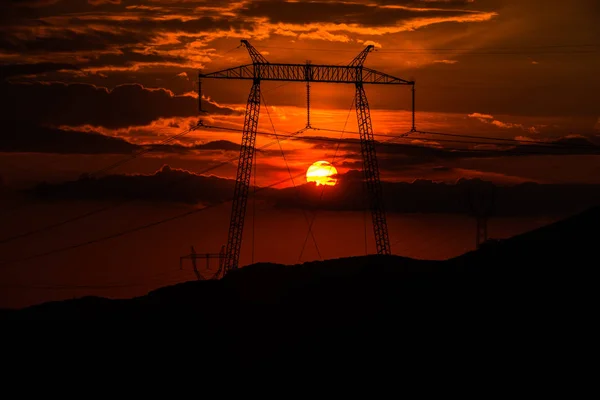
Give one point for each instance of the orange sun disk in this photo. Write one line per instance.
(322, 173)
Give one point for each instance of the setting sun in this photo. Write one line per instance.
(322, 173)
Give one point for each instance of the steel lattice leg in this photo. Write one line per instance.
(371, 172)
(242, 182)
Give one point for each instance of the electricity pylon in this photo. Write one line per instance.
(193, 256)
(262, 70)
(481, 198)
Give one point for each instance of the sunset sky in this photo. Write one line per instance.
(85, 84)
(524, 70)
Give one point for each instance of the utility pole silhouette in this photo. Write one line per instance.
(481, 199)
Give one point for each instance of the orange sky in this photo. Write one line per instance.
(521, 70)
(88, 83)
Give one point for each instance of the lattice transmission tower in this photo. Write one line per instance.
(481, 200)
(262, 70)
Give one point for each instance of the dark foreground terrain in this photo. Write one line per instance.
(537, 288)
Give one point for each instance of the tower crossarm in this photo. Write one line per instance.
(307, 73)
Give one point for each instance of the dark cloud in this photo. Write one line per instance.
(174, 24)
(24, 137)
(341, 12)
(83, 104)
(107, 34)
(420, 196)
(11, 70)
(561, 146)
(30, 3)
(137, 40)
(579, 141)
(217, 145)
(138, 13)
(120, 33)
(44, 8)
(424, 196)
(167, 184)
(426, 3)
(70, 41)
(128, 57)
(396, 156)
(14, 11)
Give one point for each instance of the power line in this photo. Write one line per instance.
(113, 166)
(401, 137)
(183, 215)
(144, 151)
(61, 223)
(146, 226)
(230, 50)
(515, 141)
(323, 188)
(172, 138)
(521, 50)
(512, 141)
(105, 238)
(553, 46)
(141, 227)
(494, 53)
(132, 230)
(102, 209)
(121, 203)
(310, 232)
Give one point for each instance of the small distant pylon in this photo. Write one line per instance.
(193, 256)
(481, 198)
(482, 231)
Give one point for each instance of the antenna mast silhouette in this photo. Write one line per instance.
(262, 70)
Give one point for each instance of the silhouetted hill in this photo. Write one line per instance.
(541, 280)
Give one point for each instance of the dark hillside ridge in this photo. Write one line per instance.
(543, 280)
(565, 249)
